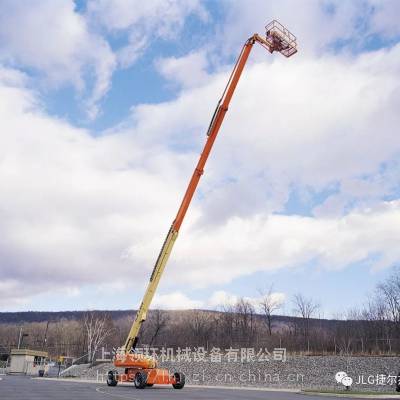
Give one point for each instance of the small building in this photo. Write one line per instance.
(28, 362)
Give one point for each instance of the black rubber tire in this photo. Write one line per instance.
(140, 380)
(112, 378)
(398, 383)
(180, 380)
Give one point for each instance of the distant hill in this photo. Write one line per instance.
(54, 316)
(44, 316)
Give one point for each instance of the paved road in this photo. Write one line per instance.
(23, 388)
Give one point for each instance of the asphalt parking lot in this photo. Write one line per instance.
(23, 388)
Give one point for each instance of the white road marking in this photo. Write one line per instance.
(128, 396)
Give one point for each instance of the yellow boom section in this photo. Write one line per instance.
(151, 288)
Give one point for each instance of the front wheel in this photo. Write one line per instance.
(112, 378)
(179, 380)
(140, 380)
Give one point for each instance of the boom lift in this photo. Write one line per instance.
(141, 369)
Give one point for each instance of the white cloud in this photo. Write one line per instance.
(80, 209)
(143, 21)
(219, 299)
(175, 301)
(222, 298)
(13, 294)
(71, 204)
(384, 19)
(313, 123)
(319, 26)
(72, 291)
(66, 47)
(188, 71)
(315, 23)
(53, 39)
(244, 246)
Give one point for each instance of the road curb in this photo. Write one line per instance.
(266, 389)
(73, 380)
(351, 396)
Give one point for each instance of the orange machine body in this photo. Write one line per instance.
(134, 363)
(155, 376)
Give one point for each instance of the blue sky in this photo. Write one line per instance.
(104, 107)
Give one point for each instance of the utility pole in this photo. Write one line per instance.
(45, 336)
(20, 336)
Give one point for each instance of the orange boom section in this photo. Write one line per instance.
(277, 39)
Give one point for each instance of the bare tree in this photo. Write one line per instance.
(305, 308)
(199, 327)
(158, 321)
(389, 291)
(245, 320)
(98, 327)
(347, 331)
(268, 305)
(227, 325)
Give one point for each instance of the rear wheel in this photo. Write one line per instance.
(179, 380)
(140, 380)
(112, 378)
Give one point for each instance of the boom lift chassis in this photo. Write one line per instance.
(140, 369)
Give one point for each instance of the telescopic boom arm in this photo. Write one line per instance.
(277, 39)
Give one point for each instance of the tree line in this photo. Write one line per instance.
(372, 329)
